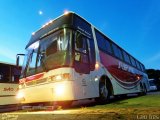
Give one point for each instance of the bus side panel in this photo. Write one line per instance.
(125, 79)
(8, 93)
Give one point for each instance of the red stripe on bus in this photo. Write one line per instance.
(112, 65)
(34, 77)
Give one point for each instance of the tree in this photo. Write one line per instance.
(154, 74)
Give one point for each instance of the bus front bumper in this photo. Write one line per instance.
(58, 91)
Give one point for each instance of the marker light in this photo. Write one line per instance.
(33, 33)
(50, 21)
(138, 77)
(96, 78)
(97, 65)
(66, 12)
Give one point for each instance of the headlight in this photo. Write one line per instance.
(20, 86)
(59, 89)
(20, 95)
(65, 76)
(58, 77)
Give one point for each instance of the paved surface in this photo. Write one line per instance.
(154, 93)
(75, 104)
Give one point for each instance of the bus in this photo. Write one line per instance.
(69, 59)
(9, 82)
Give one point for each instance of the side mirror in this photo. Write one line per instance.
(18, 58)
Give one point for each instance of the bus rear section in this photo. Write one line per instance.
(9, 79)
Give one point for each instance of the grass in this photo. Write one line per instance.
(141, 107)
(149, 101)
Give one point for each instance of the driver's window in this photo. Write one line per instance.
(81, 43)
(81, 53)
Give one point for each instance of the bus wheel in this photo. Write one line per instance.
(143, 90)
(103, 94)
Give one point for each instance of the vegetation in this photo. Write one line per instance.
(154, 74)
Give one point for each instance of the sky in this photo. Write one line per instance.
(132, 24)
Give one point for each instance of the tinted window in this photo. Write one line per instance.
(120, 54)
(9, 73)
(81, 57)
(138, 65)
(142, 67)
(108, 45)
(126, 57)
(81, 43)
(81, 53)
(117, 51)
(103, 43)
(133, 61)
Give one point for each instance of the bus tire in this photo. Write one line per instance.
(104, 94)
(143, 90)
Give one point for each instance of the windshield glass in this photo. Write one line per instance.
(51, 52)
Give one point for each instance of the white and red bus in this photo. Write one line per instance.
(9, 81)
(69, 59)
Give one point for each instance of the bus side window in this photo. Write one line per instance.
(142, 67)
(117, 51)
(138, 65)
(108, 45)
(133, 61)
(5, 73)
(1, 78)
(126, 57)
(16, 74)
(104, 43)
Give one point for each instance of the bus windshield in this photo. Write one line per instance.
(48, 53)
